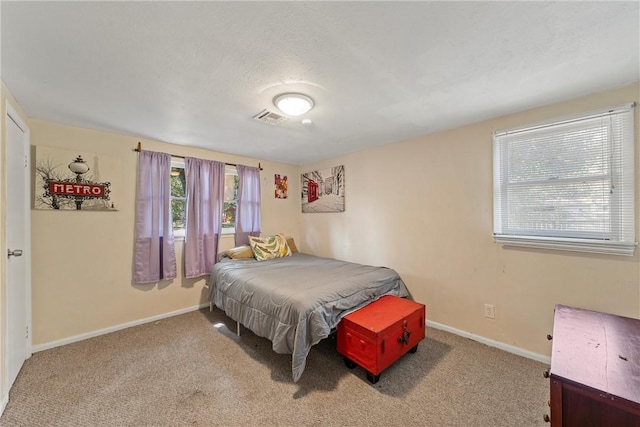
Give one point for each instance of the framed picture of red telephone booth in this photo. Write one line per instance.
(323, 190)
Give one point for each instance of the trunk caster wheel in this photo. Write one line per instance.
(349, 363)
(372, 378)
(414, 349)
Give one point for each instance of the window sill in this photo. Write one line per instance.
(180, 236)
(575, 245)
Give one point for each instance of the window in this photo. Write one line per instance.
(179, 199)
(230, 200)
(567, 184)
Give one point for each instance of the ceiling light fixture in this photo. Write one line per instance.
(293, 104)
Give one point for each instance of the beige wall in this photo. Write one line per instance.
(5, 96)
(82, 261)
(425, 208)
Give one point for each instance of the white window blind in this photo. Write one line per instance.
(567, 184)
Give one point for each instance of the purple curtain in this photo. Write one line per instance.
(205, 197)
(248, 209)
(155, 257)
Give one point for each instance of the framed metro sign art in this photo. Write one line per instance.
(74, 180)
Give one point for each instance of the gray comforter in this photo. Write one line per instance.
(296, 301)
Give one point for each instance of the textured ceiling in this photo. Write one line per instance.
(195, 73)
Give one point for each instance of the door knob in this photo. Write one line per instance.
(15, 252)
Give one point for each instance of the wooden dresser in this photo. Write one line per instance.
(595, 369)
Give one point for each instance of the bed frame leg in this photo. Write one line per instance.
(238, 328)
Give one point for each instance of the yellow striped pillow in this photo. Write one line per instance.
(240, 252)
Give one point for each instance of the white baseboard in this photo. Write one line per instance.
(3, 404)
(502, 346)
(81, 337)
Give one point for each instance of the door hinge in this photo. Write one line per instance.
(26, 161)
(27, 333)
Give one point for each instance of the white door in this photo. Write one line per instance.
(18, 304)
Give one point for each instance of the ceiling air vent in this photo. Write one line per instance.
(269, 117)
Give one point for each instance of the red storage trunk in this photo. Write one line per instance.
(380, 333)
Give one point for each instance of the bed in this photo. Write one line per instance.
(298, 300)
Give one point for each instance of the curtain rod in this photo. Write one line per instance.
(139, 149)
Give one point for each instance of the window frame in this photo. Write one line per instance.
(620, 237)
(179, 232)
(226, 231)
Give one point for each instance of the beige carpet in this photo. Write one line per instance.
(192, 370)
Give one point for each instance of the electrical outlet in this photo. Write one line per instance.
(490, 311)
